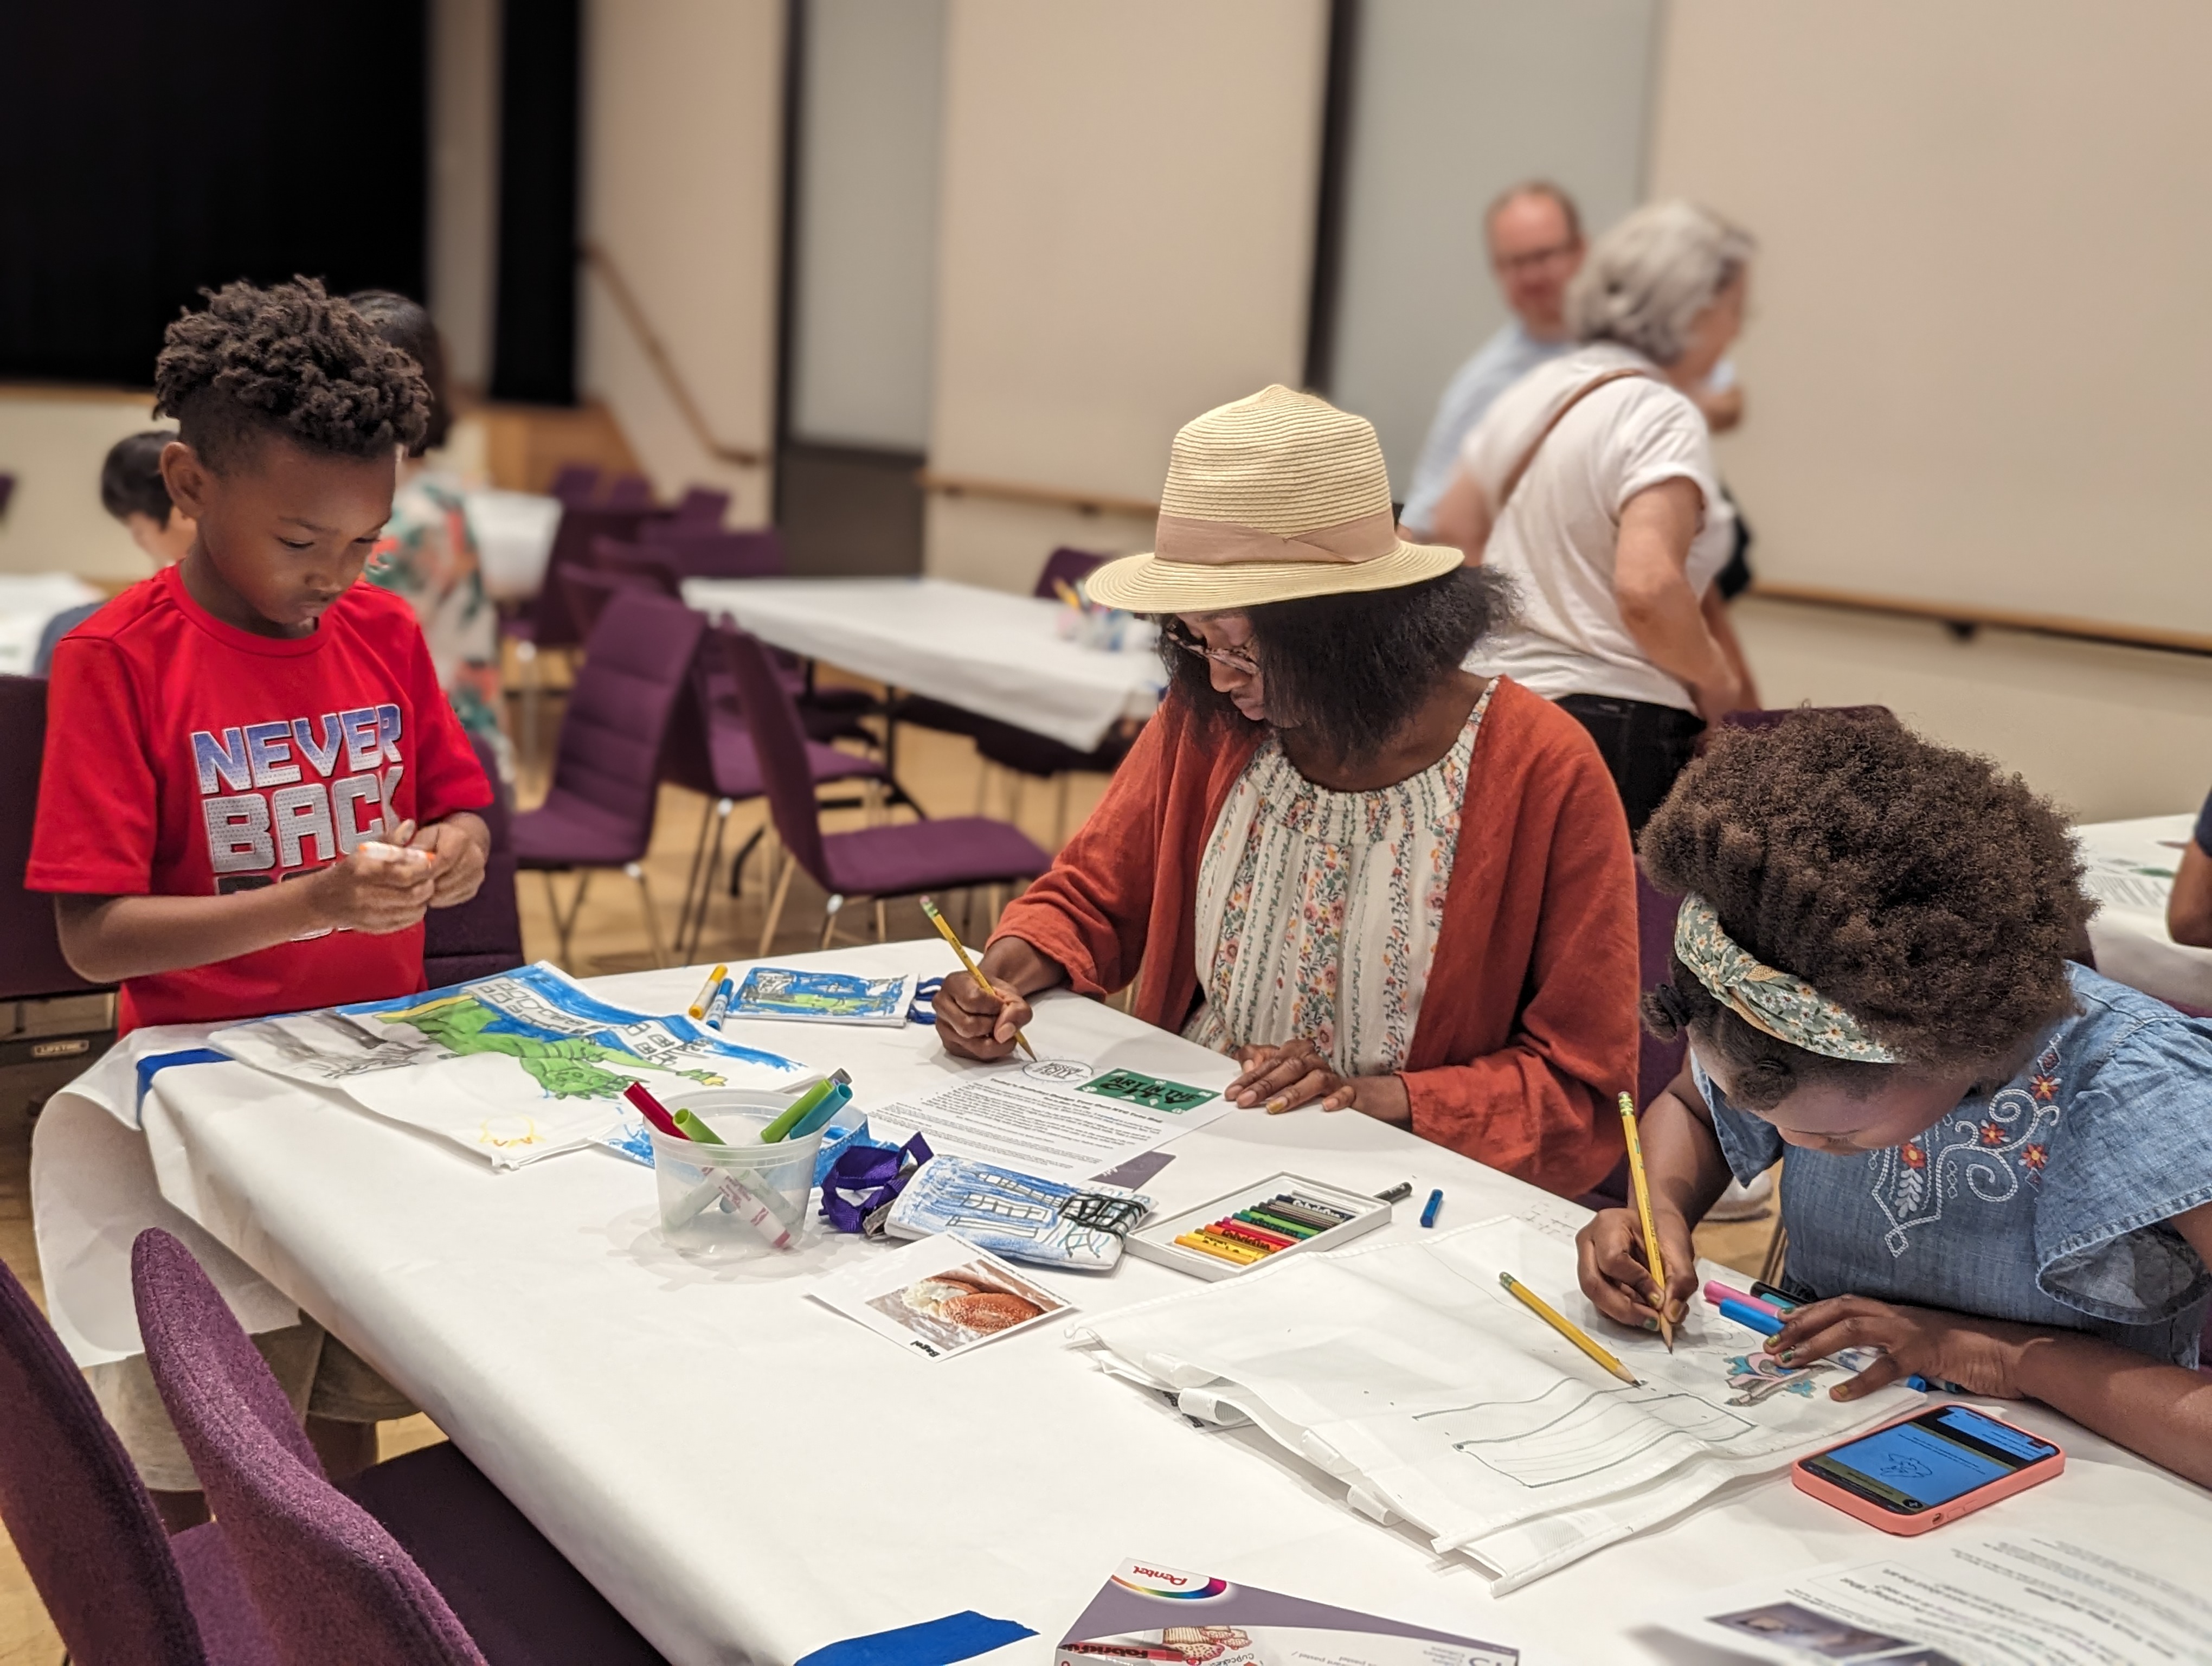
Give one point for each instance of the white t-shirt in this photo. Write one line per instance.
(1555, 540)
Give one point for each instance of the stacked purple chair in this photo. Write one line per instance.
(606, 765)
(590, 590)
(119, 1590)
(710, 552)
(630, 492)
(483, 936)
(700, 507)
(425, 1564)
(576, 484)
(895, 861)
(31, 969)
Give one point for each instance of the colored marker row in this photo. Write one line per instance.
(1257, 1231)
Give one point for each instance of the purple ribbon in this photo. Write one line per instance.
(879, 1171)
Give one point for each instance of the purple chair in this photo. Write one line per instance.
(701, 507)
(576, 484)
(549, 622)
(606, 764)
(119, 1590)
(709, 552)
(590, 590)
(630, 492)
(892, 860)
(483, 935)
(611, 554)
(422, 1563)
(710, 750)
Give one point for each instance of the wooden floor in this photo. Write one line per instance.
(941, 772)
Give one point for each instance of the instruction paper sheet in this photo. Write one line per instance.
(1058, 1119)
(1406, 1371)
(1992, 1599)
(512, 1067)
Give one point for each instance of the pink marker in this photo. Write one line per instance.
(1717, 1292)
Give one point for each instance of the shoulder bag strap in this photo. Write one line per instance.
(1520, 468)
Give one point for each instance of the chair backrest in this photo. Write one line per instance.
(590, 590)
(611, 554)
(1066, 566)
(702, 507)
(76, 1512)
(552, 624)
(575, 483)
(483, 935)
(712, 553)
(330, 1583)
(31, 963)
(636, 665)
(780, 742)
(630, 492)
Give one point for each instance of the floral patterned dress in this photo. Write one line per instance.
(1318, 911)
(428, 555)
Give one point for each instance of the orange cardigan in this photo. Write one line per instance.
(1527, 1031)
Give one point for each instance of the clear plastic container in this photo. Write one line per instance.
(741, 1198)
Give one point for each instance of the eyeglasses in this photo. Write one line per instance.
(1535, 258)
(1221, 656)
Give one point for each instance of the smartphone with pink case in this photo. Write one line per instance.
(1927, 1469)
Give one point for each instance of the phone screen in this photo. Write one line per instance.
(1938, 1457)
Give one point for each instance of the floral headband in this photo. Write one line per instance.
(1787, 1008)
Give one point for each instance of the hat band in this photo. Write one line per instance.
(1224, 543)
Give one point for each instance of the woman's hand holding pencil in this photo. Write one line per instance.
(980, 1010)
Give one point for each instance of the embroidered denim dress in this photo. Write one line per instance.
(2044, 1202)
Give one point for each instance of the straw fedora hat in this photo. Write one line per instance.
(1274, 497)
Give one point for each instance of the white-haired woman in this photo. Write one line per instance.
(1590, 483)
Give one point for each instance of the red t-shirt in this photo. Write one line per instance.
(186, 758)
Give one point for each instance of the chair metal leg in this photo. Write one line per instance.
(982, 783)
(1060, 815)
(652, 919)
(991, 911)
(775, 911)
(564, 925)
(694, 885)
(830, 910)
(883, 932)
(531, 681)
(689, 949)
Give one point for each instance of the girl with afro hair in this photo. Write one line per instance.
(1999, 1163)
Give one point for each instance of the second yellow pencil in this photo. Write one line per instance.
(1566, 1327)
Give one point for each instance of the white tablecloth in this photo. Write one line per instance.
(2132, 868)
(748, 1476)
(28, 601)
(513, 532)
(981, 650)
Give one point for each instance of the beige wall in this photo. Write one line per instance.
(1976, 338)
(1128, 194)
(1980, 336)
(52, 441)
(683, 136)
(464, 181)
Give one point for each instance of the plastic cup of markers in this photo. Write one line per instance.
(740, 1198)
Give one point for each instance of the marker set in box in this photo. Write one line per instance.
(1258, 1224)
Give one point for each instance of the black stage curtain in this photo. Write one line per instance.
(533, 356)
(147, 149)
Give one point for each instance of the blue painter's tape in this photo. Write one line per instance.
(154, 1062)
(932, 1643)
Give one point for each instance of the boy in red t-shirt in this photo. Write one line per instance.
(223, 738)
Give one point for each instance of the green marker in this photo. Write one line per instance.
(698, 1130)
(805, 1102)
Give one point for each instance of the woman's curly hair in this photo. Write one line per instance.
(288, 360)
(1350, 669)
(1932, 897)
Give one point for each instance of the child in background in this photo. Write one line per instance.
(428, 553)
(225, 738)
(132, 490)
(1998, 1169)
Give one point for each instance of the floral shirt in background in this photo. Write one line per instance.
(428, 555)
(1317, 911)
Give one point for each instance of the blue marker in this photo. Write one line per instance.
(718, 1006)
(1750, 1317)
(1429, 1209)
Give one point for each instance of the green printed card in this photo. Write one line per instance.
(1150, 1091)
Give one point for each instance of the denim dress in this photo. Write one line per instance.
(2044, 1203)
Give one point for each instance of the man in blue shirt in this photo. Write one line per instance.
(1535, 237)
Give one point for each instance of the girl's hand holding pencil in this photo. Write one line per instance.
(1610, 1250)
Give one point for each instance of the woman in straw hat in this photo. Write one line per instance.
(1381, 882)
(1590, 484)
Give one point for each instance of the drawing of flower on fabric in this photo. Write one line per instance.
(1912, 1182)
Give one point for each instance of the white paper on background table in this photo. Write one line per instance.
(1407, 1372)
(938, 1297)
(28, 601)
(1049, 1117)
(1986, 1599)
(512, 1067)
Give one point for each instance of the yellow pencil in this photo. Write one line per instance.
(970, 966)
(1566, 1327)
(698, 1008)
(1067, 592)
(1652, 1257)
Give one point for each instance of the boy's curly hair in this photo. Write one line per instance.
(1932, 897)
(289, 360)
